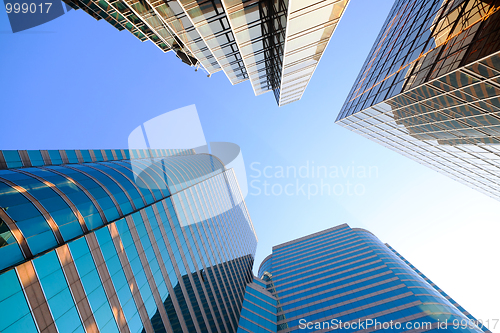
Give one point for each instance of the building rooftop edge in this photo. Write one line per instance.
(265, 259)
(310, 236)
(364, 230)
(15, 159)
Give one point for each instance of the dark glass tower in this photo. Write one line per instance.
(346, 279)
(121, 241)
(430, 89)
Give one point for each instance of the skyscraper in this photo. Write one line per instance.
(430, 89)
(274, 44)
(121, 241)
(259, 309)
(346, 279)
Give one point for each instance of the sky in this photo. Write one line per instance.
(77, 83)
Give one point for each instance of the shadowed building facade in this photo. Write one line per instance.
(121, 241)
(276, 45)
(347, 276)
(430, 89)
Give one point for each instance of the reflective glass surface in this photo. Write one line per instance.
(349, 275)
(420, 41)
(57, 293)
(163, 244)
(16, 316)
(451, 124)
(274, 44)
(260, 32)
(94, 290)
(309, 29)
(209, 18)
(258, 314)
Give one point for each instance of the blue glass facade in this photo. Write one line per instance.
(346, 276)
(122, 241)
(259, 309)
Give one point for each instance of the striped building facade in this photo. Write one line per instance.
(430, 89)
(121, 241)
(276, 45)
(259, 309)
(346, 279)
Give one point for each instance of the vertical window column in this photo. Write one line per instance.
(76, 289)
(200, 246)
(196, 252)
(215, 246)
(147, 270)
(179, 263)
(221, 270)
(58, 294)
(223, 234)
(130, 278)
(109, 289)
(188, 262)
(154, 242)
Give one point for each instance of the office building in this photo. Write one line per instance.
(430, 87)
(346, 279)
(258, 314)
(122, 241)
(276, 45)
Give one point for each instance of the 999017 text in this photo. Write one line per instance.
(26, 8)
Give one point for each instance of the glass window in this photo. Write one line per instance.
(35, 157)
(28, 219)
(12, 158)
(93, 286)
(56, 291)
(16, 316)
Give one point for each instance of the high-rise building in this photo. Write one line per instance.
(346, 279)
(430, 89)
(259, 309)
(122, 241)
(274, 44)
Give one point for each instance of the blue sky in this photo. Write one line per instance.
(77, 83)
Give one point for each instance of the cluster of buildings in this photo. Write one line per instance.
(157, 240)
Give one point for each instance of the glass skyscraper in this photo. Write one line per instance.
(274, 44)
(430, 89)
(122, 241)
(259, 309)
(346, 279)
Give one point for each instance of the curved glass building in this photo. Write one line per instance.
(121, 241)
(346, 279)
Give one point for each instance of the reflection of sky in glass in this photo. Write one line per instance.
(451, 124)
(411, 49)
